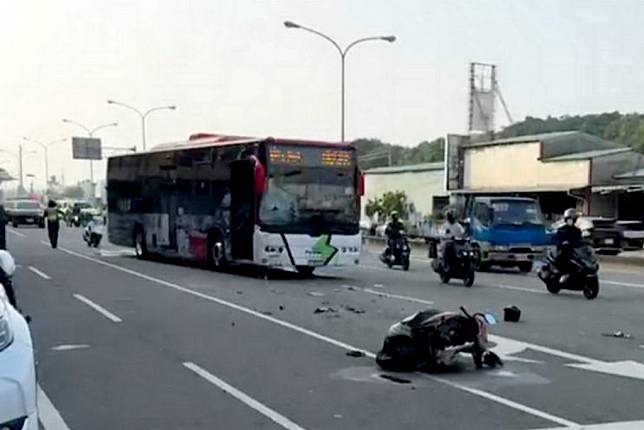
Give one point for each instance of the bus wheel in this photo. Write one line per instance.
(306, 271)
(216, 254)
(140, 248)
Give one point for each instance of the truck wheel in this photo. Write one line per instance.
(14, 223)
(525, 267)
(445, 278)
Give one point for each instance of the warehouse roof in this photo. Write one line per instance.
(557, 143)
(422, 167)
(588, 154)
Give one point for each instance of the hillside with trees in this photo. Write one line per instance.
(626, 129)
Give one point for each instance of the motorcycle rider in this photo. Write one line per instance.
(567, 238)
(450, 230)
(393, 231)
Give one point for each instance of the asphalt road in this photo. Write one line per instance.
(129, 344)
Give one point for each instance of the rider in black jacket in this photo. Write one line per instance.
(567, 238)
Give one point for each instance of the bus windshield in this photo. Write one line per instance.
(516, 212)
(310, 199)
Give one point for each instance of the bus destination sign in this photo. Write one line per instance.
(310, 156)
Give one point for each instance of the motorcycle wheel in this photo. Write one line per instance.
(591, 289)
(405, 264)
(468, 280)
(444, 277)
(552, 286)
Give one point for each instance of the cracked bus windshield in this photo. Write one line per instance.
(358, 214)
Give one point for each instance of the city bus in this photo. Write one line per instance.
(228, 199)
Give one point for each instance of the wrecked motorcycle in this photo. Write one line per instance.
(431, 340)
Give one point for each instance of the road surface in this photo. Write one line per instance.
(129, 344)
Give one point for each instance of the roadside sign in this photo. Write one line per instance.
(86, 148)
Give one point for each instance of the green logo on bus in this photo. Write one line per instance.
(324, 248)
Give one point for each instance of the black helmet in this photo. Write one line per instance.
(393, 214)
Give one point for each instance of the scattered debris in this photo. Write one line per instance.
(354, 310)
(267, 313)
(325, 302)
(337, 416)
(355, 353)
(378, 286)
(351, 288)
(315, 294)
(324, 309)
(232, 324)
(239, 292)
(619, 334)
(395, 379)
(413, 387)
(511, 313)
(281, 307)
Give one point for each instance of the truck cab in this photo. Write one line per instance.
(508, 231)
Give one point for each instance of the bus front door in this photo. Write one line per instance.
(242, 209)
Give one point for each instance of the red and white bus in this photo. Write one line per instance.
(222, 199)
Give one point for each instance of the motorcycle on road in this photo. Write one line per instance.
(581, 273)
(433, 340)
(462, 264)
(93, 232)
(398, 252)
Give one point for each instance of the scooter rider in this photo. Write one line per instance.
(450, 230)
(392, 231)
(567, 238)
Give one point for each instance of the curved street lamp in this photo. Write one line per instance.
(343, 53)
(141, 114)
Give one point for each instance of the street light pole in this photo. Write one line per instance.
(142, 115)
(44, 146)
(343, 55)
(90, 133)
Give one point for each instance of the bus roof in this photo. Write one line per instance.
(207, 140)
(487, 199)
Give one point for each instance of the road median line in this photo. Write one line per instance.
(318, 336)
(39, 273)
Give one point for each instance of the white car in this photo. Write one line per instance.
(18, 409)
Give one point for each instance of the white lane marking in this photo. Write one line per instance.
(620, 425)
(310, 333)
(39, 273)
(395, 296)
(512, 287)
(45, 243)
(626, 368)
(508, 402)
(17, 233)
(69, 347)
(621, 284)
(278, 418)
(101, 310)
(364, 266)
(48, 415)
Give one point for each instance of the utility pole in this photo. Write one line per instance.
(22, 184)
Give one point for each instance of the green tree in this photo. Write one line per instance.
(390, 201)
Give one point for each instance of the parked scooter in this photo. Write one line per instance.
(462, 264)
(431, 340)
(581, 276)
(7, 269)
(398, 254)
(93, 232)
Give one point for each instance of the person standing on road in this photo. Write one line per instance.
(53, 222)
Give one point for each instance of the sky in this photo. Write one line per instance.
(232, 67)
